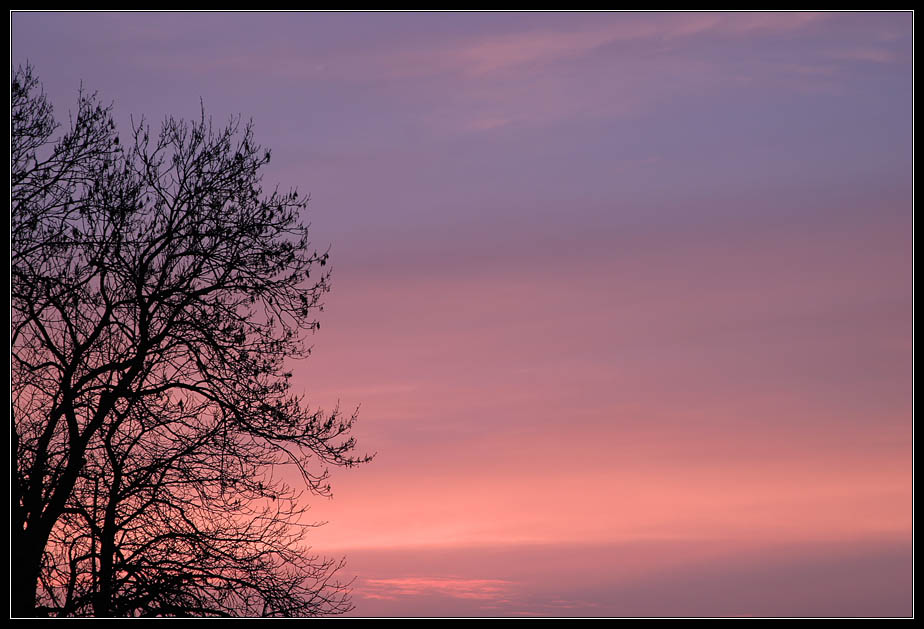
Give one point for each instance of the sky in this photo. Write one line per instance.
(625, 299)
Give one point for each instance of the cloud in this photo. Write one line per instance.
(870, 54)
(475, 55)
(483, 56)
(496, 590)
(534, 73)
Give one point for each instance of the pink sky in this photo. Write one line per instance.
(692, 404)
(626, 300)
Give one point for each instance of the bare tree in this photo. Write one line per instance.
(157, 296)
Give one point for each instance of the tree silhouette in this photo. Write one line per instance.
(157, 294)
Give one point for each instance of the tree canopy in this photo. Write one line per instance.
(158, 296)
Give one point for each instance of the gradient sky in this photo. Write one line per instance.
(626, 299)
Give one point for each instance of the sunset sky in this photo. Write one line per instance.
(625, 299)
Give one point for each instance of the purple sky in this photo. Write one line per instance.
(627, 299)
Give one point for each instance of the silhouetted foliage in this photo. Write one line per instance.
(157, 294)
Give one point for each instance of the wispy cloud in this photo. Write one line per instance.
(483, 55)
(535, 72)
(496, 590)
(868, 53)
(491, 54)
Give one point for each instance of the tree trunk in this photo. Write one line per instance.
(25, 567)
